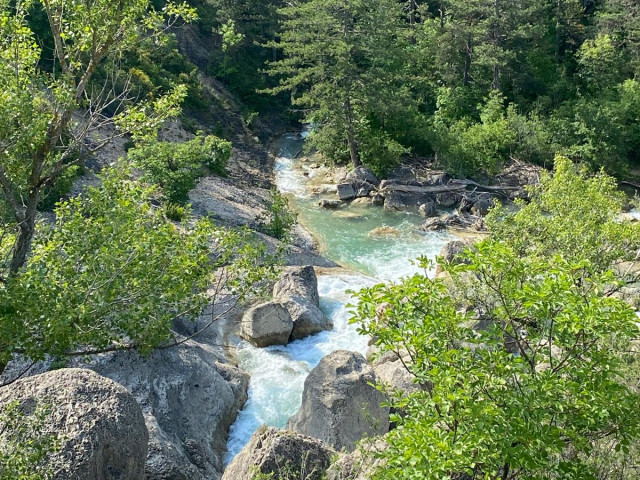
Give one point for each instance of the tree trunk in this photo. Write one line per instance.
(353, 145)
(466, 78)
(22, 245)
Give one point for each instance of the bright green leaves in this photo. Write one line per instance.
(24, 449)
(530, 385)
(522, 354)
(114, 273)
(175, 167)
(572, 214)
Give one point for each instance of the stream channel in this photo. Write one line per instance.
(278, 372)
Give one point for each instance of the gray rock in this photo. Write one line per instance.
(391, 372)
(298, 282)
(439, 178)
(190, 395)
(360, 464)
(362, 174)
(307, 318)
(398, 201)
(297, 291)
(363, 189)
(428, 210)
(452, 252)
(339, 405)
(437, 223)
(280, 453)
(447, 199)
(377, 200)
(98, 422)
(346, 191)
(330, 204)
(403, 174)
(481, 206)
(267, 324)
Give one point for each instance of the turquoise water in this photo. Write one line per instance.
(347, 236)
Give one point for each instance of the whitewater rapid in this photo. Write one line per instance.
(278, 372)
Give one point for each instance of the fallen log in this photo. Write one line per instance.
(488, 188)
(426, 190)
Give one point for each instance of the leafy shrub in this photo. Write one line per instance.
(176, 167)
(280, 219)
(59, 190)
(174, 212)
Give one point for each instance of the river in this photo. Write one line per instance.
(278, 373)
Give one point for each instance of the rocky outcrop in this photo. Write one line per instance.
(267, 324)
(297, 291)
(360, 464)
(330, 204)
(454, 220)
(362, 174)
(190, 395)
(391, 371)
(339, 403)
(346, 191)
(98, 423)
(280, 453)
(298, 282)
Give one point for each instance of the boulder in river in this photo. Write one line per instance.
(384, 231)
(339, 403)
(447, 199)
(282, 454)
(346, 191)
(330, 204)
(267, 324)
(362, 174)
(98, 423)
(297, 291)
(428, 210)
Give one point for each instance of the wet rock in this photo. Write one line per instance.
(267, 324)
(98, 422)
(346, 191)
(362, 174)
(428, 210)
(377, 200)
(282, 454)
(297, 291)
(330, 204)
(339, 404)
(384, 232)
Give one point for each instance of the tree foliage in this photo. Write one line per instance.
(522, 352)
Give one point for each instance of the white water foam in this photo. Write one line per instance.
(278, 372)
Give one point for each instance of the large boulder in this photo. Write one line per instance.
(453, 251)
(298, 282)
(190, 395)
(346, 191)
(98, 423)
(307, 318)
(280, 453)
(428, 210)
(267, 324)
(362, 174)
(399, 201)
(297, 291)
(339, 403)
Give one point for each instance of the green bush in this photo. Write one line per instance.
(176, 167)
(280, 219)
